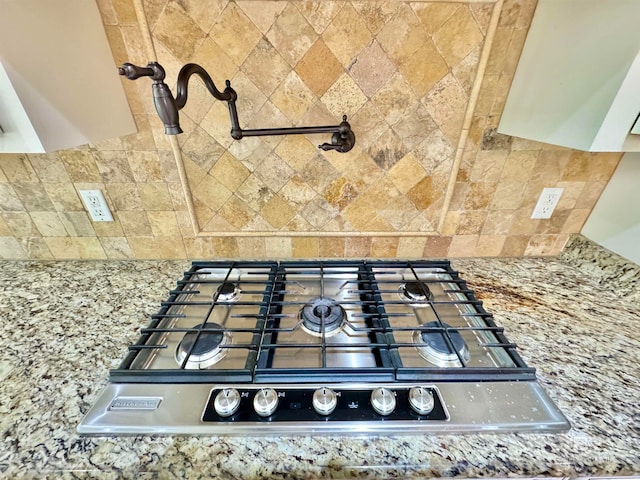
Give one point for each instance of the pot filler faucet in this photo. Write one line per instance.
(342, 139)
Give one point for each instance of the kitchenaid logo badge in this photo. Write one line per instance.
(135, 403)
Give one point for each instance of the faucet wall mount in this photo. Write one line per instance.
(342, 139)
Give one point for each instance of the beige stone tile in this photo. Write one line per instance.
(236, 212)
(414, 126)
(113, 166)
(424, 68)
(4, 228)
(135, 224)
(204, 13)
(479, 195)
(376, 13)
(49, 224)
(297, 192)
(450, 224)
(463, 245)
(406, 173)
(411, 247)
(348, 24)
(388, 150)
(143, 139)
(274, 172)
(212, 193)
(356, 165)
(218, 223)
(319, 14)
(424, 193)
(358, 247)
(218, 65)
(435, 154)
(35, 248)
(296, 150)
(20, 224)
(225, 247)
(508, 196)
(254, 192)
(278, 247)
(171, 247)
(217, 124)
(163, 223)
(471, 222)
(251, 247)
(80, 165)
(384, 247)
(77, 224)
(498, 222)
(550, 166)
(88, 248)
(402, 35)
(482, 13)
(145, 166)
(458, 36)
(434, 15)
(109, 229)
(200, 248)
(107, 12)
(540, 245)
(116, 248)
(394, 98)
(305, 247)
(180, 34)
(124, 196)
(319, 172)
(144, 247)
(262, 13)
(319, 213)
(572, 192)
(515, 245)
(265, 67)
(48, 167)
(11, 249)
(368, 124)
(522, 223)
(341, 192)
(33, 196)
(291, 34)
(490, 245)
(229, 171)
(553, 224)
(17, 168)
(436, 246)
(331, 247)
(560, 243)
(519, 165)
(155, 196)
(124, 12)
(590, 195)
(575, 220)
(465, 71)
(457, 197)
(64, 197)
(293, 97)
(319, 68)
(446, 103)
(278, 212)
(199, 147)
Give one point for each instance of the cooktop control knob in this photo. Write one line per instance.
(227, 402)
(421, 400)
(383, 401)
(324, 401)
(265, 402)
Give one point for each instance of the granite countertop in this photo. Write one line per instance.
(582, 337)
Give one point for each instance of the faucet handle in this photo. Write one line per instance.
(132, 72)
(341, 141)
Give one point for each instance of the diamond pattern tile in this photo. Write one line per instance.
(402, 72)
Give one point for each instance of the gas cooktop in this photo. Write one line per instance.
(303, 347)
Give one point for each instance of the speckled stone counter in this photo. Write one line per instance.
(64, 324)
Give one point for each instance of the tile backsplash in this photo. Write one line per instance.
(429, 175)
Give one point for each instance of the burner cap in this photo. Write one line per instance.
(416, 291)
(208, 349)
(322, 309)
(434, 347)
(228, 292)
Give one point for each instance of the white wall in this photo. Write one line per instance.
(615, 220)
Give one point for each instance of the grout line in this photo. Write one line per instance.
(471, 106)
(145, 30)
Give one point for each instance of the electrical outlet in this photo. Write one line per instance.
(547, 202)
(96, 205)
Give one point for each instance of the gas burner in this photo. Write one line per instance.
(434, 347)
(208, 349)
(416, 293)
(228, 292)
(319, 309)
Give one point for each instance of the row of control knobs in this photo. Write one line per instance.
(325, 400)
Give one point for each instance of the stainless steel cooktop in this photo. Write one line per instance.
(365, 347)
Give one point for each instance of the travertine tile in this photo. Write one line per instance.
(48, 167)
(20, 224)
(109, 229)
(320, 14)
(63, 248)
(178, 32)
(297, 191)
(463, 245)
(471, 222)
(80, 165)
(64, 196)
(304, 247)
(394, 98)
(114, 166)
(369, 124)
(217, 64)
(344, 97)
(414, 126)
(402, 35)
(265, 67)
(319, 213)
(200, 248)
(376, 13)
(124, 196)
(236, 212)
(204, 13)
(291, 34)
(33, 196)
(229, 171)
(48, 224)
(10, 248)
(116, 248)
(212, 193)
(411, 247)
(163, 223)
(458, 36)
(319, 68)
(262, 12)
(490, 245)
(424, 68)
(17, 168)
(388, 151)
(437, 246)
(200, 147)
(225, 247)
(434, 14)
(347, 25)
(384, 247)
(498, 222)
(540, 245)
(251, 247)
(278, 212)
(155, 196)
(293, 97)
(331, 247)
(135, 223)
(278, 247)
(77, 224)
(358, 247)
(145, 166)
(479, 195)
(35, 248)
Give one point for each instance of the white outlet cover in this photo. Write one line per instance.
(547, 203)
(96, 205)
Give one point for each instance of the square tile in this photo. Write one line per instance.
(231, 26)
(372, 69)
(347, 25)
(319, 68)
(291, 34)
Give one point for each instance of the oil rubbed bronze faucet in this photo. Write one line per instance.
(342, 139)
